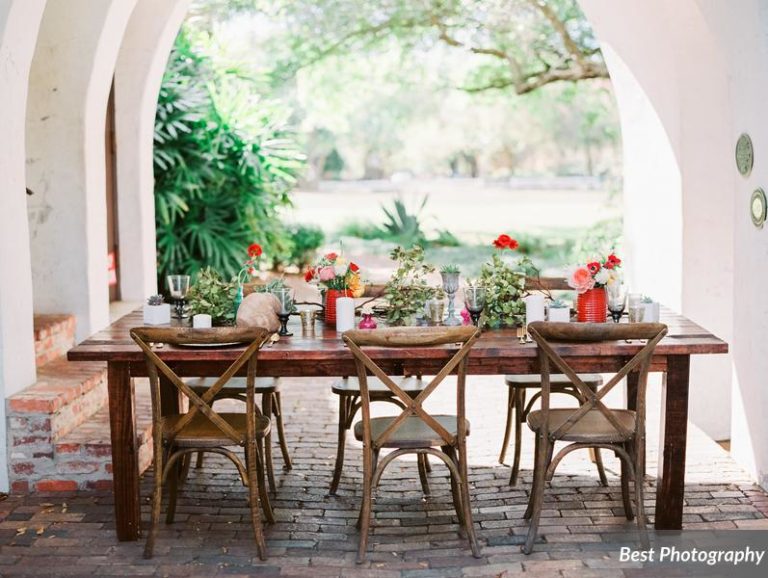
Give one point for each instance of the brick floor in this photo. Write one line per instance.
(73, 535)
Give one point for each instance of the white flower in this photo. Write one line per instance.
(340, 269)
(603, 276)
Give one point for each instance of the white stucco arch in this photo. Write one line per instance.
(139, 72)
(70, 81)
(678, 222)
(19, 23)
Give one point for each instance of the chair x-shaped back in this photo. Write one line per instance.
(255, 337)
(542, 332)
(412, 405)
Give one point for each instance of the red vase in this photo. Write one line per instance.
(330, 304)
(592, 306)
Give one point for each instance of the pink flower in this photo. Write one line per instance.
(327, 273)
(581, 280)
(465, 316)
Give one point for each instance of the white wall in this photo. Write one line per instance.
(70, 82)
(140, 67)
(19, 22)
(675, 58)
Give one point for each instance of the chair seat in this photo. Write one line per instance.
(413, 433)
(351, 386)
(202, 432)
(555, 380)
(234, 385)
(593, 427)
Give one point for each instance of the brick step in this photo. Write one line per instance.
(54, 336)
(82, 459)
(64, 396)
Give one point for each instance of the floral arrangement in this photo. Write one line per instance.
(504, 284)
(333, 271)
(250, 267)
(214, 296)
(408, 289)
(595, 274)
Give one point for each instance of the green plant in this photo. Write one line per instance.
(407, 289)
(306, 240)
(504, 284)
(225, 160)
(155, 300)
(402, 226)
(450, 269)
(213, 296)
(445, 239)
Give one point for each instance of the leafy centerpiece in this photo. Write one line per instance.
(337, 277)
(504, 283)
(590, 282)
(408, 290)
(214, 296)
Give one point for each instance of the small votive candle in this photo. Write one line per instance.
(560, 314)
(202, 321)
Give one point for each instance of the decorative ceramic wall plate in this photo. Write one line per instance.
(745, 154)
(758, 207)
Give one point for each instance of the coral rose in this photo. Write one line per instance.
(331, 256)
(581, 280)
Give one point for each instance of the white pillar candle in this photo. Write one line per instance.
(345, 314)
(202, 321)
(534, 308)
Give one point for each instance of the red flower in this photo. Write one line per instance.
(505, 242)
(309, 275)
(594, 267)
(331, 256)
(612, 261)
(353, 267)
(254, 250)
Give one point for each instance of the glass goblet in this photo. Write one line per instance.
(617, 302)
(451, 286)
(178, 286)
(285, 298)
(474, 301)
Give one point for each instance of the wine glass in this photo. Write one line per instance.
(285, 298)
(617, 301)
(474, 301)
(451, 286)
(178, 285)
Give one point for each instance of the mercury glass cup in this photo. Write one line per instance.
(285, 297)
(178, 286)
(617, 301)
(474, 301)
(451, 286)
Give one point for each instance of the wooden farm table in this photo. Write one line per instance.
(323, 354)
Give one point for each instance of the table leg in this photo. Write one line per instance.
(670, 483)
(125, 459)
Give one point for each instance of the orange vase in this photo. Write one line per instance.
(592, 306)
(330, 304)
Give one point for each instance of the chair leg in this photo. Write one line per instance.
(255, 482)
(469, 526)
(519, 409)
(266, 407)
(199, 462)
(174, 478)
(157, 500)
(537, 492)
(625, 470)
(511, 403)
(340, 444)
(537, 471)
(277, 410)
(455, 491)
(422, 462)
(597, 459)
(639, 456)
(262, 487)
(365, 509)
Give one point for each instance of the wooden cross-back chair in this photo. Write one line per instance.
(201, 429)
(414, 431)
(592, 424)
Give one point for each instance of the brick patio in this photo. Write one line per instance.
(72, 533)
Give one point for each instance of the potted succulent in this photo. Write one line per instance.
(559, 311)
(408, 290)
(157, 311)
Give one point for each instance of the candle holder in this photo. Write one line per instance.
(178, 286)
(474, 301)
(451, 286)
(285, 297)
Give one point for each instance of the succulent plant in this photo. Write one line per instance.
(450, 269)
(155, 300)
